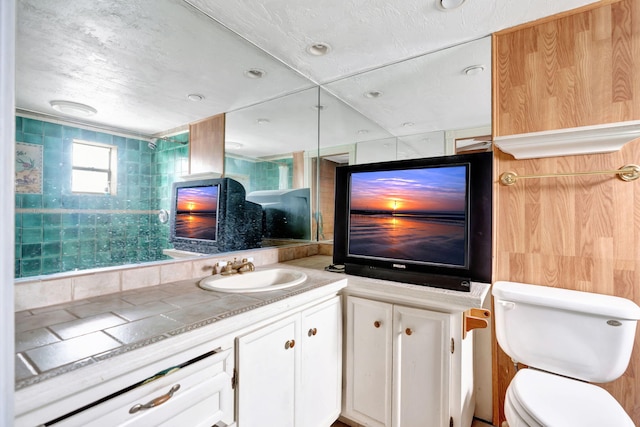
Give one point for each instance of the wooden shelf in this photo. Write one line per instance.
(567, 142)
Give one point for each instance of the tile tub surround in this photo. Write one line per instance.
(43, 291)
(58, 339)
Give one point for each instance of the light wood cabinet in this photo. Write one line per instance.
(398, 362)
(289, 372)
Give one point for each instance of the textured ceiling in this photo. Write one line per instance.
(135, 62)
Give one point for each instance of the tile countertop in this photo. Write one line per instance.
(58, 339)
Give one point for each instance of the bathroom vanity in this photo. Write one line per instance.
(408, 356)
(188, 356)
(278, 349)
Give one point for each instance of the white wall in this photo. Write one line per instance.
(7, 201)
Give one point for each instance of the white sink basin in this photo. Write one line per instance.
(254, 281)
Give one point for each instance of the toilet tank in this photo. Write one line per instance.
(576, 334)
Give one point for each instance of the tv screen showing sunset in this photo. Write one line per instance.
(413, 214)
(196, 212)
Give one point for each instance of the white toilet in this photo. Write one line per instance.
(566, 338)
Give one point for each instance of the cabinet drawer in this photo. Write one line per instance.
(202, 395)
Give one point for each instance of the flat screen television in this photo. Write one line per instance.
(422, 221)
(212, 216)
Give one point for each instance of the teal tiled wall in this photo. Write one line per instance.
(263, 175)
(60, 231)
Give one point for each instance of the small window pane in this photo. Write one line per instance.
(91, 156)
(89, 182)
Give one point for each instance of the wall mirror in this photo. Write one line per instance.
(279, 122)
(136, 73)
(417, 108)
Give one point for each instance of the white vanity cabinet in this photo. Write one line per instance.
(398, 364)
(198, 394)
(289, 372)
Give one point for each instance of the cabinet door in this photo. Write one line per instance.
(267, 375)
(369, 361)
(320, 365)
(422, 360)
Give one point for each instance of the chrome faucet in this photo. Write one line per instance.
(235, 266)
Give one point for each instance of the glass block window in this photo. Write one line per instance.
(94, 168)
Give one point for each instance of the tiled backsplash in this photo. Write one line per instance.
(64, 287)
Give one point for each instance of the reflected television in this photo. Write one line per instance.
(212, 216)
(424, 221)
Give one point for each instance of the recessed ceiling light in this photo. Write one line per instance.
(263, 121)
(363, 131)
(232, 145)
(473, 70)
(450, 4)
(408, 124)
(373, 94)
(320, 107)
(73, 108)
(255, 73)
(195, 97)
(318, 49)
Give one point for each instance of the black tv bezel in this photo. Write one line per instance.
(479, 226)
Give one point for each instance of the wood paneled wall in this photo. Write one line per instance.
(581, 69)
(327, 198)
(576, 232)
(206, 145)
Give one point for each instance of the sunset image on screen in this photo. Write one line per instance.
(411, 214)
(196, 212)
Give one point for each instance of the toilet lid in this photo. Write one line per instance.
(555, 401)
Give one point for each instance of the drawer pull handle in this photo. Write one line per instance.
(155, 402)
(289, 344)
(408, 331)
(377, 324)
(312, 332)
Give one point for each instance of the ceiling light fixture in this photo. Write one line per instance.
(473, 70)
(263, 121)
(73, 108)
(373, 94)
(450, 4)
(407, 124)
(195, 97)
(318, 49)
(255, 73)
(232, 145)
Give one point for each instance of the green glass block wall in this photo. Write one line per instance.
(57, 230)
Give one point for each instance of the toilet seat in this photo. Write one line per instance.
(543, 399)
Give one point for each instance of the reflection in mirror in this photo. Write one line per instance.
(60, 230)
(267, 146)
(134, 63)
(418, 107)
(342, 129)
(445, 90)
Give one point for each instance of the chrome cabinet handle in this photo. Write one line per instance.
(312, 332)
(155, 402)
